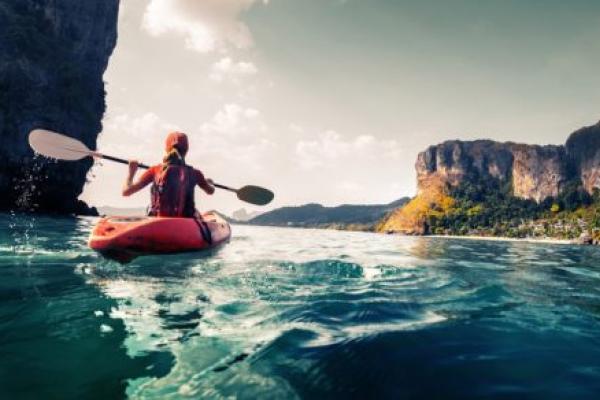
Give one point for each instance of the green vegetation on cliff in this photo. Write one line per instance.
(479, 208)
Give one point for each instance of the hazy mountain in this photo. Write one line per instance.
(348, 216)
(243, 215)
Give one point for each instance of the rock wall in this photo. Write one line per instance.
(53, 54)
(583, 149)
(535, 172)
(454, 161)
(538, 172)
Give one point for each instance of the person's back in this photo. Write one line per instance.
(173, 182)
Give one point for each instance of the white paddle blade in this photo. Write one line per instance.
(55, 145)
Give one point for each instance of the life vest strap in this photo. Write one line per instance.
(204, 230)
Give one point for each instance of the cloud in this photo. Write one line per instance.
(227, 69)
(206, 25)
(235, 135)
(144, 133)
(296, 128)
(330, 146)
(233, 120)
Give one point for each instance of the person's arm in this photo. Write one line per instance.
(205, 184)
(130, 187)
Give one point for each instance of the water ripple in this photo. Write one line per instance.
(290, 313)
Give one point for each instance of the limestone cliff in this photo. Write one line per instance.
(583, 148)
(535, 172)
(530, 172)
(53, 55)
(538, 172)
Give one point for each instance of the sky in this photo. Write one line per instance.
(330, 101)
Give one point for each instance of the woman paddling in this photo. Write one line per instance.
(172, 193)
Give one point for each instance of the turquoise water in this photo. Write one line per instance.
(289, 313)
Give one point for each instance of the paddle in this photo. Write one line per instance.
(62, 147)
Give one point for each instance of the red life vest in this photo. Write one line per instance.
(172, 193)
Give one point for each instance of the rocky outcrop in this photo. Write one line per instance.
(583, 149)
(538, 172)
(531, 172)
(535, 172)
(53, 55)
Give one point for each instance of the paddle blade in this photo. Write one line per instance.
(55, 145)
(255, 195)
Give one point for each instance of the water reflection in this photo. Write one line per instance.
(51, 320)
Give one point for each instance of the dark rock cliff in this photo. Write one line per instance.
(53, 54)
(583, 148)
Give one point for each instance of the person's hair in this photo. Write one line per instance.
(174, 157)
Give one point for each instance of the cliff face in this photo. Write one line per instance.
(529, 172)
(536, 172)
(53, 55)
(583, 148)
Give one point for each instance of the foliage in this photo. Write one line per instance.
(480, 205)
(431, 202)
(487, 207)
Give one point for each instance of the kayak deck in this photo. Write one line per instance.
(124, 238)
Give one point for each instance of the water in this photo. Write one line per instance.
(290, 313)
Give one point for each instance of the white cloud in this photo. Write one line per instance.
(144, 134)
(234, 133)
(227, 69)
(331, 146)
(296, 128)
(234, 136)
(206, 25)
(234, 120)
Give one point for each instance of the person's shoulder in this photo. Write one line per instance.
(153, 170)
(198, 174)
(197, 171)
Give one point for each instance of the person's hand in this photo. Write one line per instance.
(133, 167)
(210, 182)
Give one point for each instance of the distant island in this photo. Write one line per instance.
(242, 215)
(344, 217)
(487, 188)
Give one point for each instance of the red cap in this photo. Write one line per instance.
(178, 140)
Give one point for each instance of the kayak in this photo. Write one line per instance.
(124, 238)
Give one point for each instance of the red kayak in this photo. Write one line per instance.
(124, 238)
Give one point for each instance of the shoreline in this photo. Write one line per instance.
(466, 237)
(508, 239)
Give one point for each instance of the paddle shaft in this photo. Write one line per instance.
(144, 166)
(119, 160)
